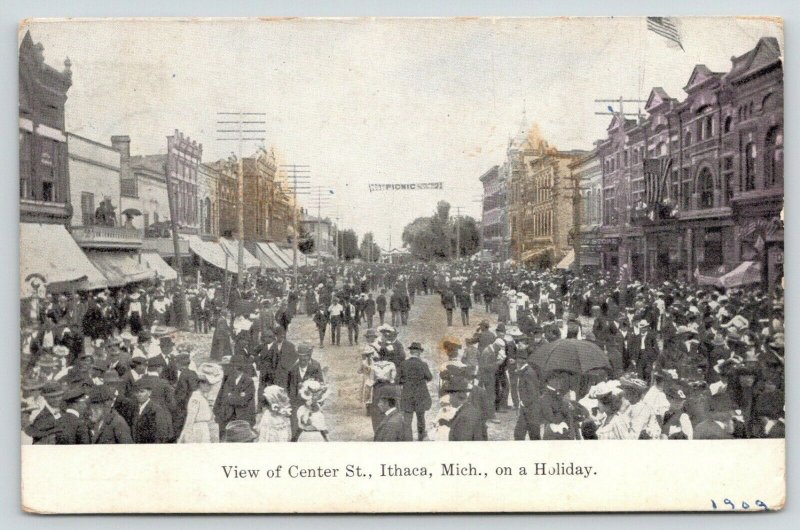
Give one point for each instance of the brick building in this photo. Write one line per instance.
(259, 184)
(44, 190)
(494, 218)
(695, 188)
(542, 199)
(587, 173)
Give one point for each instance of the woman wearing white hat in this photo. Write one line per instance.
(275, 424)
(200, 426)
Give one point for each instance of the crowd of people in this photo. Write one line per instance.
(678, 361)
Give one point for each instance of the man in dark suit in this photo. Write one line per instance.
(283, 355)
(396, 306)
(185, 384)
(529, 391)
(304, 369)
(449, 303)
(161, 391)
(392, 427)
(414, 374)
(466, 425)
(106, 425)
(646, 351)
(44, 425)
(236, 399)
(152, 423)
(74, 428)
(380, 305)
(369, 309)
(465, 303)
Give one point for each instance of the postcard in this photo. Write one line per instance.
(561, 238)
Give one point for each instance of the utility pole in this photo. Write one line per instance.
(321, 195)
(242, 131)
(623, 253)
(175, 245)
(337, 237)
(479, 199)
(299, 176)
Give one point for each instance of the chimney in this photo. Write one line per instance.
(122, 144)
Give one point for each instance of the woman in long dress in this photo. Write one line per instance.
(200, 426)
(275, 424)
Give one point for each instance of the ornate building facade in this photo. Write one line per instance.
(695, 188)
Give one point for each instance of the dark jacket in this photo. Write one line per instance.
(221, 345)
(392, 429)
(153, 425)
(282, 359)
(414, 375)
(369, 307)
(74, 430)
(236, 401)
(467, 425)
(186, 384)
(380, 302)
(112, 430)
(313, 371)
(464, 300)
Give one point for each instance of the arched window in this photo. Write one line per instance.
(687, 139)
(728, 124)
(708, 126)
(773, 157)
(749, 167)
(705, 187)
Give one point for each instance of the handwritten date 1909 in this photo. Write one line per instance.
(744, 506)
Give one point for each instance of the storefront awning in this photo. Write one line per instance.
(277, 254)
(232, 248)
(120, 267)
(567, 261)
(161, 268)
(746, 273)
(530, 255)
(212, 253)
(48, 251)
(268, 260)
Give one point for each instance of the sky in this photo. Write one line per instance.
(365, 101)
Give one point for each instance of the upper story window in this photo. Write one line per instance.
(705, 188)
(728, 125)
(749, 167)
(773, 157)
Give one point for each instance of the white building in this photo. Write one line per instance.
(94, 170)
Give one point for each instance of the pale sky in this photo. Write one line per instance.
(376, 100)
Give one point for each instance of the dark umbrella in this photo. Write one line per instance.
(131, 212)
(570, 355)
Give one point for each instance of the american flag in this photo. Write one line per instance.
(666, 27)
(655, 177)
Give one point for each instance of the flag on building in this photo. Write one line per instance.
(666, 27)
(655, 179)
